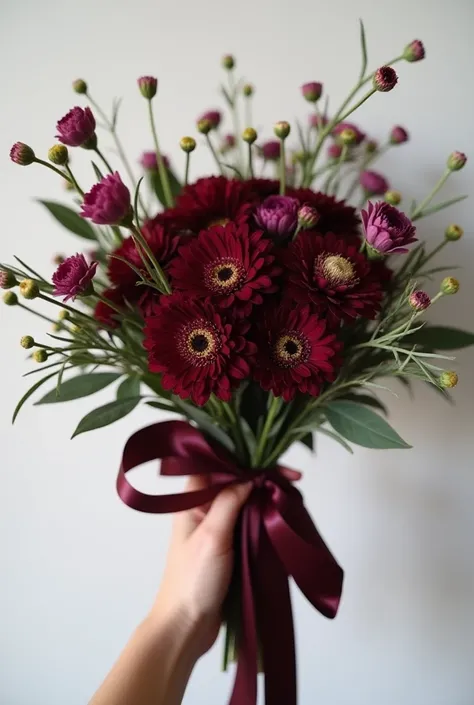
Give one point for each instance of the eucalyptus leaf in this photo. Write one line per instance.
(361, 425)
(80, 386)
(442, 338)
(105, 415)
(70, 219)
(31, 391)
(130, 387)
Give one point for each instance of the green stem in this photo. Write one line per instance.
(333, 177)
(61, 304)
(357, 105)
(36, 313)
(235, 118)
(214, 154)
(250, 170)
(272, 412)
(162, 280)
(282, 166)
(418, 212)
(186, 169)
(99, 154)
(165, 183)
(73, 180)
(53, 168)
(433, 253)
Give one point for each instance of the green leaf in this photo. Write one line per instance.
(250, 440)
(336, 437)
(363, 46)
(439, 206)
(155, 182)
(308, 441)
(98, 174)
(115, 109)
(80, 386)
(105, 415)
(362, 426)
(130, 387)
(235, 170)
(367, 400)
(205, 423)
(31, 391)
(160, 405)
(227, 97)
(443, 338)
(70, 219)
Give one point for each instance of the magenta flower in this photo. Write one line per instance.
(108, 202)
(419, 300)
(74, 278)
(385, 78)
(456, 161)
(312, 91)
(334, 151)
(149, 161)
(307, 217)
(148, 86)
(271, 150)
(373, 183)
(77, 128)
(360, 136)
(398, 135)
(229, 141)
(387, 230)
(278, 215)
(22, 154)
(214, 117)
(415, 51)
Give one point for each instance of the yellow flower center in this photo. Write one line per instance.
(218, 221)
(337, 270)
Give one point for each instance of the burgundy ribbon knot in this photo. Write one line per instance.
(278, 539)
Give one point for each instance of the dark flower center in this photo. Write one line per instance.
(291, 349)
(225, 275)
(199, 343)
(337, 270)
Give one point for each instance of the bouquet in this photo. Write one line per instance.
(259, 306)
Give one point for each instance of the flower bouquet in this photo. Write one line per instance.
(259, 306)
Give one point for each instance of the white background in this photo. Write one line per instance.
(79, 569)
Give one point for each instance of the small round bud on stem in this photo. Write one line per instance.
(307, 217)
(419, 300)
(7, 279)
(371, 146)
(75, 329)
(385, 78)
(249, 135)
(148, 86)
(282, 129)
(456, 161)
(58, 259)
(448, 379)
(79, 86)
(187, 144)
(10, 298)
(449, 286)
(398, 135)
(27, 342)
(393, 197)
(312, 91)
(204, 126)
(64, 315)
(248, 90)
(29, 289)
(22, 154)
(228, 62)
(453, 232)
(40, 355)
(347, 137)
(415, 51)
(58, 154)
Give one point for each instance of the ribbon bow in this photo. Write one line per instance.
(278, 539)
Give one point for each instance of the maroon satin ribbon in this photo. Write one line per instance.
(278, 540)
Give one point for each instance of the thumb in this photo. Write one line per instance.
(222, 517)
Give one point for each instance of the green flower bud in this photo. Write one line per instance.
(453, 232)
(228, 62)
(58, 154)
(204, 126)
(249, 135)
(187, 144)
(456, 161)
(248, 90)
(7, 279)
(448, 379)
(79, 86)
(57, 327)
(27, 342)
(449, 286)
(282, 129)
(10, 298)
(40, 355)
(393, 197)
(29, 289)
(348, 136)
(64, 315)
(75, 329)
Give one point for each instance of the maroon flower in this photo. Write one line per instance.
(214, 117)
(359, 135)
(419, 300)
(149, 161)
(387, 230)
(198, 350)
(385, 78)
(22, 154)
(415, 51)
(228, 264)
(107, 315)
(271, 150)
(312, 91)
(332, 276)
(278, 215)
(108, 202)
(77, 128)
(74, 277)
(295, 352)
(398, 135)
(334, 151)
(373, 183)
(148, 86)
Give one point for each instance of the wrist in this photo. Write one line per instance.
(173, 625)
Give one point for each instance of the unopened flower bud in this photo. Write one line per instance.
(282, 129)
(58, 154)
(58, 259)
(312, 91)
(249, 135)
(22, 154)
(75, 329)
(27, 342)
(148, 86)
(449, 286)
(419, 300)
(40, 355)
(248, 90)
(64, 315)
(68, 185)
(299, 157)
(371, 146)
(7, 279)
(79, 86)
(448, 379)
(415, 51)
(348, 137)
(398, 135)
(204, 126)
(29, 289)
(385, 78)
(307, 217)
(187, 144)
(393, 197)
(453, 232)
(10, 298)
(334, 151)
(456, 161)
(228, 62)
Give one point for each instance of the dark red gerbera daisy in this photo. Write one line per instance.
(108, 315)
(211, 201)
(334, 216)
(198, 350)
(295, 353)
(332, 276)
(228, 264)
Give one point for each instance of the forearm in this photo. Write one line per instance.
(154, 667)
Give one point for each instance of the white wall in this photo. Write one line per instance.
(79, 569)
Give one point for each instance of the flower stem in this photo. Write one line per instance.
(250, 170)
(214, 154)
(73, 180)
(432, 254)
(53, 168)
(36, 313)
(282, 166)
(165, 183)
(272, 412)
(418, 212)
(99, 154)
(186, 169)
(235, 117)
(61, 304)
(161, 280)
